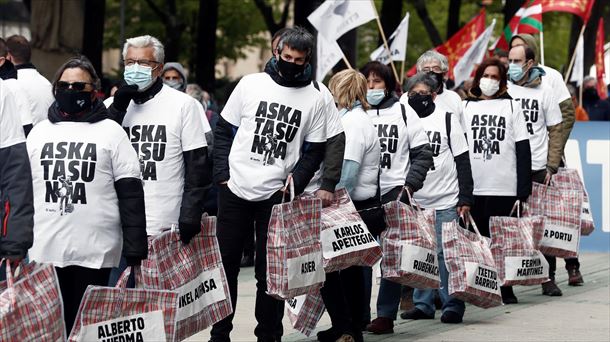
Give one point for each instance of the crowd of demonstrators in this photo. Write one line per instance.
(157, 154)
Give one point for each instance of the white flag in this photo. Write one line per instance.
(397, 42)
(474, 55)
(578, 69)
(328, 54)
(335, 17)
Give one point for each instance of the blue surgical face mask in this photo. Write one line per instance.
(138, 75)
(515, 72)
(375, 96)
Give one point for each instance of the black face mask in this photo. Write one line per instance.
(590, 95)
(439, 80)
(290, 71)
(422, 104)
(73, 102)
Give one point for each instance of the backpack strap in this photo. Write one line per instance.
(316, 85)
(404, 113)
(448, 128)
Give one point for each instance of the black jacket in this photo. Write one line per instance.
(130, 192)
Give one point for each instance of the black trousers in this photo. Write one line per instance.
(73, 281)
(343, 294)
(236, 217)
(486, 206)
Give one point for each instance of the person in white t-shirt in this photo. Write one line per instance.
(273, 125)
(36, 87)
(89, 200)
(360, 177)
(16, 209)
(447, 189)
(554, 80)
(500, 153)
(405, 159)
(8, 73)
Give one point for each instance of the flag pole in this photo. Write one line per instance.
(542, 46)
(402, 72)
(573, 59)
(345, 60)
(385, 41)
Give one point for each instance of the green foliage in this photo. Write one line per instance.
(240, 25)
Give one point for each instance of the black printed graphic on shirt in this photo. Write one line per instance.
(388, 142)
(276, 126)
(531, 110)
(67, 167)
(487, 132)
(150, 142)
(434, 139)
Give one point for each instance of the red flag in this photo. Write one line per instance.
(455, 47)
(599, 61)
(581, 8)
(528, 19)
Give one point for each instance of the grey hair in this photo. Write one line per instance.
(430, 56)
(146, 41)
(422, 78)
(297, 38)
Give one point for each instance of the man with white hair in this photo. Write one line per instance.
(166, 130)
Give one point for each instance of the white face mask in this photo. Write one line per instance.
(488, 86)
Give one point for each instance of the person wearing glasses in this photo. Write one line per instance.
(447, 189)
(405, 159)
(165, 128)
(88, 197)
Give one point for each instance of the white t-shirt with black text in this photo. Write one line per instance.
(540, 110)
(554, 80)
(160, 130)
(11, 132)
(76, 211)
(493, 128)
(362, 146)
(441, 188)
(272, 123)
(396, 138)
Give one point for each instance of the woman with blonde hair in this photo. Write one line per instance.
(343, 291)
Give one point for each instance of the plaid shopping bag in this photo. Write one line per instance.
(31, 307)
(294, 252)
(561, 209)
(473, 276)
(346, 240)
(122, 314)
(305, 311)
(195, 271)
(570, 179)
(514, 245)
(409, 246)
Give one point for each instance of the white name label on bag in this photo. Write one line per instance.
(585, 213)
(305, 270)
(522, 268)
(147, 326)
(418, 260)
(560, 237)
(346, 238)
(199, 293)
(295, 304)
(482, 277)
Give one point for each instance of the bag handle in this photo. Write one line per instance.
(469, 220)
(122, 282)
(517, 206)
(409, 197)
(10, 280)
(290, 186)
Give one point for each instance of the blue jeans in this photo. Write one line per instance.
(424, 299)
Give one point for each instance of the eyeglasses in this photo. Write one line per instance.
(142, 62)
(435, 68)
(78, 86)
(422, 93)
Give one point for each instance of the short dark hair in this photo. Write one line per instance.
(82, 63)
(422, 78)
(381, 70)
(297, 38)
(493, 61)
(19, 48)
(278, 34)
(529, 53)
(3, 48)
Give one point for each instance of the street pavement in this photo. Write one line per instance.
(581, 314)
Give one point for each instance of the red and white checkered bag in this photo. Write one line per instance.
(409, 245)
(570, 179)
(514, 245)
(473, 276)
(195, 271)
(305, 311)
(561, 209)
(346, 240)
(31, 307)
(294, 252)
(122, 314)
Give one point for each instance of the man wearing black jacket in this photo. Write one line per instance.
(273, 125)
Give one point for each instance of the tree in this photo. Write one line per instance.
(453, 17)
(94, 33)
(422, 12)
(267, 13)
(206, 44)
(174, 26)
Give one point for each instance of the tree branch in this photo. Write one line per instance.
(284, 17)
(422, 12)
(162, 15)
(267, 13)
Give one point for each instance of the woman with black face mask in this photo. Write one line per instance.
(88, 196)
